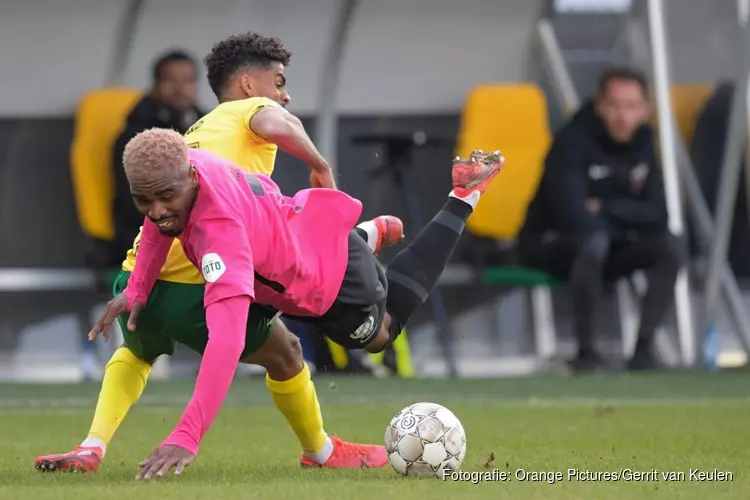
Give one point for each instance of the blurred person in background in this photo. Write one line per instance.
(171, 103)
(600, 213)
(707, 153)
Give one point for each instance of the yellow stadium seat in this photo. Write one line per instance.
(513, 119)
(100, 118)
(688, 101)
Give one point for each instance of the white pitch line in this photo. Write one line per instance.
(177, 400)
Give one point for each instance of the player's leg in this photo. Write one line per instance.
(288, 379)
(413, 272)
(124, 380)
(130, 366)
(271, 345)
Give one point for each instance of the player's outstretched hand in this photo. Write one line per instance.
(115, 307)
(163, 459)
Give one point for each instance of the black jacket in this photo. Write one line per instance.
(584, 163)
(148, 113)
(707, 152)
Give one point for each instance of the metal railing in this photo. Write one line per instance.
(727, 195)
(703, 226)
(670, 168)
(327, 123)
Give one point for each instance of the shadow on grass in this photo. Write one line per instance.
(227, 474)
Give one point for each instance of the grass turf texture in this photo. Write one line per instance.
(668, 423)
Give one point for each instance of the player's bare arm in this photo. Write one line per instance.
(226, 319)
(287, 132)
(226, 263)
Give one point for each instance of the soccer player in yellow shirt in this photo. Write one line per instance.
(246, 72)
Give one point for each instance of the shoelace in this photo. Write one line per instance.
(353, 448)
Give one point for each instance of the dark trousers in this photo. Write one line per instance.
(587, 262)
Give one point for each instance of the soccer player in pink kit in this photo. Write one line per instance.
(300, 255)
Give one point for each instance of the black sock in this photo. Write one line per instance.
(361, 232)
(415, 270)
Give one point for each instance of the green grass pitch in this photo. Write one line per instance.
(671, 423)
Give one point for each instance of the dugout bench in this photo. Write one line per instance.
(514, 119)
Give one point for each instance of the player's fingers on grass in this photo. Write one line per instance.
(150, 469)
(149, 459)
(142, 473)
(168, 464)
(147, 467)
(184, 462)
(181, 466)
(152, 456)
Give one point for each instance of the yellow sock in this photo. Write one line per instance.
(124, 380)
(297, 400)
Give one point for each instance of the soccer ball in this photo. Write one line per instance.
(425, 440)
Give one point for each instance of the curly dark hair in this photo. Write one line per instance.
(241, 51)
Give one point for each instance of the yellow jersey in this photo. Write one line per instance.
(226, 132)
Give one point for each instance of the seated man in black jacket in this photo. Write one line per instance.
(600, 213)
(171, 103)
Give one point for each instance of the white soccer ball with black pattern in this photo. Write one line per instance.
(425, 440)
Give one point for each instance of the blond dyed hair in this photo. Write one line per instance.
(155, 152)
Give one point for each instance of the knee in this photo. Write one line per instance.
(290, 360)
(390, 329)
(380, 341)
(591, 253)
(294, 354)
(286, 362)
(594, 247)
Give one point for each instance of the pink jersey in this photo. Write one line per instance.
(252, 244)
(249, 239)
